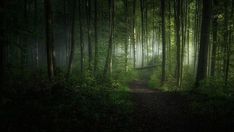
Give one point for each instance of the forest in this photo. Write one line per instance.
(116, 65)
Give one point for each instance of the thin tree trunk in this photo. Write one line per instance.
(126, 37)
(36, 33)
(188, 33)
(229, 41)
(81, 39)
(133, 34)
(49, 38)
(142, 32)
(107, 68)
(169, 39)
(146, 31)
(163, 42)
(90, 50)
(214, 48)
(95, 37)
(178, 51)
(72, 38)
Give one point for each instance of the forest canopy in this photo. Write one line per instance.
(177, 38)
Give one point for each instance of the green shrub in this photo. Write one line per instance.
(215, 87)
(64, 104)
(154, 81)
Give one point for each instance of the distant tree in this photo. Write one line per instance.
(142, 32)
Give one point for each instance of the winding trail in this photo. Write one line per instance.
(158, 111)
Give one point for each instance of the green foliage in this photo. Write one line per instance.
(214, 86)
(154, 81)
(64, 104)
(188, 78)
(214, 106)
(126, 77)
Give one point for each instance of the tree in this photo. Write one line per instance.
(49, 39)
(142, 32)
(81, 39)
(72, 50)
(90, 49)
(95, 36)
(126, 37)
(204, 42)
(107, 68)
(163, 42)
(177, 11)
(133, 33)
(214, 44)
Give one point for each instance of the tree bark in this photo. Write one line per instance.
(81, 39)
(107, 68)
(133, 33)
(126, 37)
(49, 38)
(95, 37)
(142, 32)
(71, 56)
(90, 49)
(177, 11)
(214, 48)
(163, 78)
(204, 42)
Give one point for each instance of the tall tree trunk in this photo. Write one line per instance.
(228, 38)
(126, 37)
(133, 33)
(107, 68)
(188, 33)
(204, 42)
(214, 48)
(49, 38)
(196, 33)
(1, 56)
(95, 37)
(146, 31)
(90, 50)
(177, 11)
(71, 56)
(36, 34)
(163, 42)
(183, 37)
(169, 39)
(142, 32)
(81, 39)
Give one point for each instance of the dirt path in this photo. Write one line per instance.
(158, 111)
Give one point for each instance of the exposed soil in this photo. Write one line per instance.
(155, 110)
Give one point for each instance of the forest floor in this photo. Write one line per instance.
(155, 110)
(97, 107)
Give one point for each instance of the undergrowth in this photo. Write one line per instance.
(88, 104)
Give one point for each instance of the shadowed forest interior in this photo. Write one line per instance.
(116, 65)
